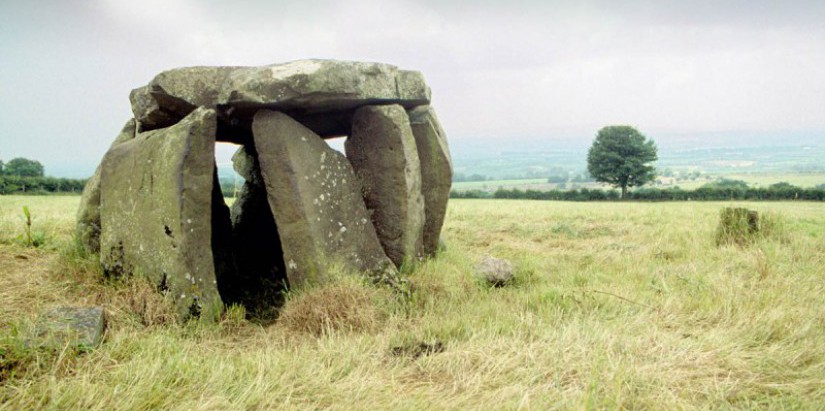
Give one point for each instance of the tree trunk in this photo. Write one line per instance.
(624, 192)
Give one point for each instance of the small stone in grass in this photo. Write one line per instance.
(80, 327)
(495, 271)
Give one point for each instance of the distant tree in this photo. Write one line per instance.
(783, 185)
(23, 167)
(1, 167)
(620, 156)
(727, 183)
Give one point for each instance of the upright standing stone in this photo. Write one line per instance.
(383, 153)
(156, 199)
(436, 172)
(314, 197)
(261, 276)
(88, 214)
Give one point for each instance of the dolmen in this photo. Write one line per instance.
(154, 206)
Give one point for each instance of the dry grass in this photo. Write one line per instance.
(347, 304)
(622, 305)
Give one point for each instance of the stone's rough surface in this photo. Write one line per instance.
(314, 197)
(78, 327)
(156, 199)
(303, 88)
(245, 163)
(173, 94)
(88, 214)
(383, 153)
(495, 271)
(324, 86)
(436, 172)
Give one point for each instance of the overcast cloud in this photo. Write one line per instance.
(497, 69)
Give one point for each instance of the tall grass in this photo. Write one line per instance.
(614, 306)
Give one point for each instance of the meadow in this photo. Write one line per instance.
(805, 180)
(617, 305)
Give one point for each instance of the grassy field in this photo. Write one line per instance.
(615, 306)
(753, 179)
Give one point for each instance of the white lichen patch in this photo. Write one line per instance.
(294, 68)
(292, 264)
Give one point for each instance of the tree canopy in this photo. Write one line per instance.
(23, 167)
(620, 156)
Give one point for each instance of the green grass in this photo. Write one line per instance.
(766, 179)
(615, 305)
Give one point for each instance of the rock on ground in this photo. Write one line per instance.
(78, 327)
(495, 271)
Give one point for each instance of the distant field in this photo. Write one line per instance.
(615, 306)
(753, 179)
(798, 179)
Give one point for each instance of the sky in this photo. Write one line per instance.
(506, 70)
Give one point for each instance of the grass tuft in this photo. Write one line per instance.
(345, 304)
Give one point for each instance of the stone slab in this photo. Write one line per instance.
(436, 172)
(156, 199)
(383, 153)
(315, 199)
(77, 327)
(87, 229)
(303, 89)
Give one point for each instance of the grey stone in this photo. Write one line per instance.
(78, 327)
(301, 88)
(495, 271)
(436, 172)
(314, 196)
(156, 206)
(261, 275)
(88, 214)
(383, 153)
(173, 94)
(245, 164)
(442, 246)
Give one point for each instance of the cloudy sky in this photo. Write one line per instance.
(498, 69)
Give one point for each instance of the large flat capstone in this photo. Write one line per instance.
(315, 199)
(436, 172)
(303, 89)
(383, 153)
(155, 211)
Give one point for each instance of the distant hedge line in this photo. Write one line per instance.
(39, 185)
(654, 194)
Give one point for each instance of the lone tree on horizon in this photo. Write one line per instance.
(620, 155)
